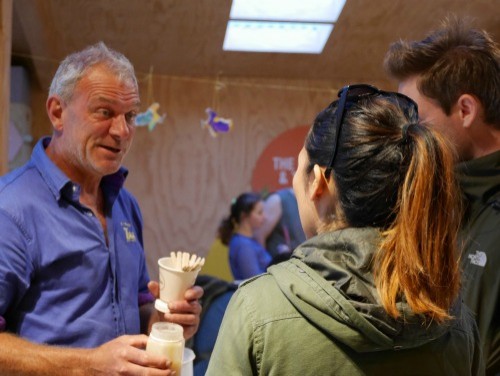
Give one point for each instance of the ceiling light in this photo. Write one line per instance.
(292, 37)
(287, 10)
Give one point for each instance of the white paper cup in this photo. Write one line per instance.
(173, 283)
(187, 362)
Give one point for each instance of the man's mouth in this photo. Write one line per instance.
(111, 149)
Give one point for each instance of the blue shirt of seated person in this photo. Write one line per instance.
(247, 257)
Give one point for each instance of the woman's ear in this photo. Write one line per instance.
(318, 185)
(54, 107)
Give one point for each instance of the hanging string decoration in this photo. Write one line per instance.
(214, 123)
(150, 117)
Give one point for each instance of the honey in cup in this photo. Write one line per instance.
(167, 339)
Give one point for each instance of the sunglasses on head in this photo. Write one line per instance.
(352, 94)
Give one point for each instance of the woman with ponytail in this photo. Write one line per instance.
(247, 257)
(375, 287)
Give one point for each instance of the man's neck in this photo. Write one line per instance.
(89, 184)
(93, 198)
(485, 140)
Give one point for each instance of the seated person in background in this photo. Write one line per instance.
(216, 296)
(375, 288)
(74, 290)
(247, 257)
(281, 231)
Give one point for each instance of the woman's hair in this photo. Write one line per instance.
(244, 204)
(393, 173)
(76, 65)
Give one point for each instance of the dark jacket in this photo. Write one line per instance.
(480, 180)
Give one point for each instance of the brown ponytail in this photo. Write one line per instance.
(400, 179)
(418, 257)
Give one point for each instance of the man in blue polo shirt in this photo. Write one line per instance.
(74, 291)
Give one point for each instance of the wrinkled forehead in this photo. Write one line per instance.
(105, 87)
(121, 76)
(100, 76)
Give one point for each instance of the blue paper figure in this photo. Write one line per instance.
(216, 124)
(150, 118)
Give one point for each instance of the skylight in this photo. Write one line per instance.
(287, 10)
(291, 37)
(286, 26)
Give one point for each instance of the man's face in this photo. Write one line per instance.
(98, 123)
(431, 113)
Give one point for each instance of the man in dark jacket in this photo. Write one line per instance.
(453, 74)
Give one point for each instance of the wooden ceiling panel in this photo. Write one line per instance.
(184, 37)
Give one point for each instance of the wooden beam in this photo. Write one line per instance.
(45, 38)
(5, 52)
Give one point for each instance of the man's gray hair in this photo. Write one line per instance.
(75, 66)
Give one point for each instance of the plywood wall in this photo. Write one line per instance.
(5, 47)
(183, 178)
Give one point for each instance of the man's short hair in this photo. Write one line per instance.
(76, 65)
(452, 60)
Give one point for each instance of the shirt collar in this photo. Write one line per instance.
(61, 186)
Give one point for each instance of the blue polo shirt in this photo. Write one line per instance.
(247, 258)
(60, 283)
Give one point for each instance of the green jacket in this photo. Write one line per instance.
(318, 314)
(480, 180)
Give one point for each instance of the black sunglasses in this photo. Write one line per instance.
(353, 93)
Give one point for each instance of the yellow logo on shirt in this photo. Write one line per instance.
(129, 234)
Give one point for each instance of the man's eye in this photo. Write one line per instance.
(130, 118)
(104, 112)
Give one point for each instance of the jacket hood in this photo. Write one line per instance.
(329, 281)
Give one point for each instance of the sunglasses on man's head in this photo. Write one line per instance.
(352, 94)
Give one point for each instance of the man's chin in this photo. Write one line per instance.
(108, 168)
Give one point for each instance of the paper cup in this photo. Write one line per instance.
(187, 362)
(173, 283)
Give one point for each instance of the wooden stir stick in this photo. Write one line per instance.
(186, 262)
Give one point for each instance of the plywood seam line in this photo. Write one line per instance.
(149, 78)
(237, 82)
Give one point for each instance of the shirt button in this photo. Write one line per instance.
(90, 214)
(74, 188)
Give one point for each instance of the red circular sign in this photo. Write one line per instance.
(276, 165)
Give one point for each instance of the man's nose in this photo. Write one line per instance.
(119, 127)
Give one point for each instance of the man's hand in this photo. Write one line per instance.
(125, 356)
(184, 312)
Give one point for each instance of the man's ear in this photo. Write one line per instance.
(468, 109)
(54, 107)
(319, 184)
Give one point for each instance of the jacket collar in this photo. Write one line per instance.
(480, 178)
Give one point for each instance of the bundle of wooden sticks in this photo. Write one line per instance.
(186, 262)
